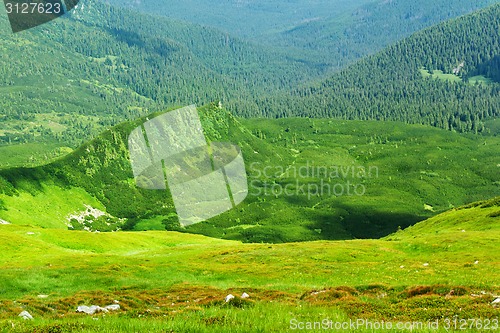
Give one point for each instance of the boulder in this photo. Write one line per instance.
(26, 315)
(229, 297)
(245, 295)
(96, 309)
(112, 307)
(90, 309)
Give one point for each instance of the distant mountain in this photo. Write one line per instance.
(116, 64)
(328, 33)
(99, 65)
(249, 19)
(444, 76)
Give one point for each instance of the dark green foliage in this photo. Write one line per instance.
(171, 223)
(489, 68)
(390, 85)
(120, 65)
(415, 166)
(325, 34)
(495, 214)
(117, 65)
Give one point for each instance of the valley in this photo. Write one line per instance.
(370, 134)
(327, 34)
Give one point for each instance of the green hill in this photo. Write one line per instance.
(395, 84)
(178, 282)
(308, 180)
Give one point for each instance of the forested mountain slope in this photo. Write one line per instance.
(396, 84)
(72, 77)
(251, 19)
(116, 65)
(331, 33)
(370, 27)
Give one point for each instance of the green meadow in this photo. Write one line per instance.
(405, 252)
(440, 75)
(173, 282)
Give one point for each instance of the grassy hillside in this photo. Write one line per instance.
(30, 154)
(177, 282)
(308, 180)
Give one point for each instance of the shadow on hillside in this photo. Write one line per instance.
(490, 69)
(30, 180)
(368, 222)
(342, 221)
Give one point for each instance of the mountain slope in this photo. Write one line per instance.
(308, 180)
(372, 26)
(113, 65)
(120, 65)
(395, 84)
(331, 33)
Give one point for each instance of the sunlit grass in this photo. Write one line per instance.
(174, 281)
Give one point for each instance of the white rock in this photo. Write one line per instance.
(43, 296)
(426, 264)
(402, 266)
(245, 295)
(229, 297)
(90, 309)
(3, 222)
(26, 315)
(496, 301)
(30, 233)
(476, 262)
(112, 307)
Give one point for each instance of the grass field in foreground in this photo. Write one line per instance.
(173, 282)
